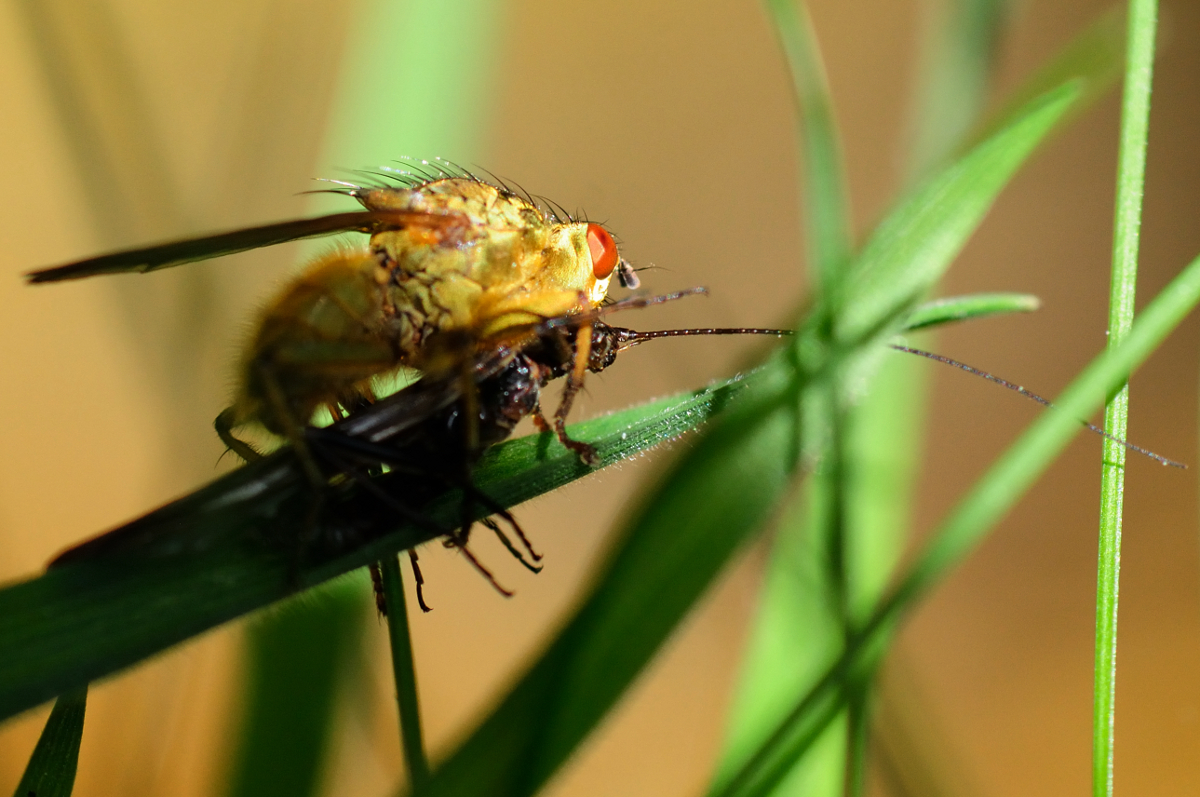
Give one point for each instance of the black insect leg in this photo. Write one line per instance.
(512, 549)
(483, 570)
(326, 441)
(470, 416)
(381, 604)
(419, 580)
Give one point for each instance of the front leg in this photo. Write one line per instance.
(579, 364)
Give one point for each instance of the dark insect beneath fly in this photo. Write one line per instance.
(434, 431)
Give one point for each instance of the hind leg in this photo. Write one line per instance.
(224, 424)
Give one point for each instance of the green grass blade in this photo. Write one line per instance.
(858, 502)
(1093, 58)
(1131, 170)
(392, 103)
(983, 507)
(1013, 473)
(826, 203)
(965, 308)
(797, 632)
(916, 243)
(229, 548)
(909, 250)
(404, 672)
(296, 658)
(51, 769)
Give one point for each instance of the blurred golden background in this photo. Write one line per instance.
(674, 125)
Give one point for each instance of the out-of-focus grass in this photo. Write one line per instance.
(51, 768)
(836, 548)
(826, 618)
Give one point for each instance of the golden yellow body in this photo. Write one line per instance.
(481, 268)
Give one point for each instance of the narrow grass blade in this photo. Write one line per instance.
(979, 511)
(964, 308)
(1131, 171)
(230, 548)
(827, 229)
(51, 768)
(797, 632)
(1093, 58)
(830, 563)
(916, 243)
(935, 222)
(404, 672)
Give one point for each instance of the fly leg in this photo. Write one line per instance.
(512, 549)
(381, 604)
(418, 579)
(579, 365)
(483, 570)
(325, 441)
(224, 424)
(470, 415)
(377, 586)
(295, 434)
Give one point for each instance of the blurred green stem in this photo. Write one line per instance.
(405, 672)
(1131, 169)
(826, 203)
(827, 229)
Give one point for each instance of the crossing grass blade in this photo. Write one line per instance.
(51, 769)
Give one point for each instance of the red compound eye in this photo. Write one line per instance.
(604, 251)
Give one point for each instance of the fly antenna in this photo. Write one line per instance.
(1045, 402)
(631, 338)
